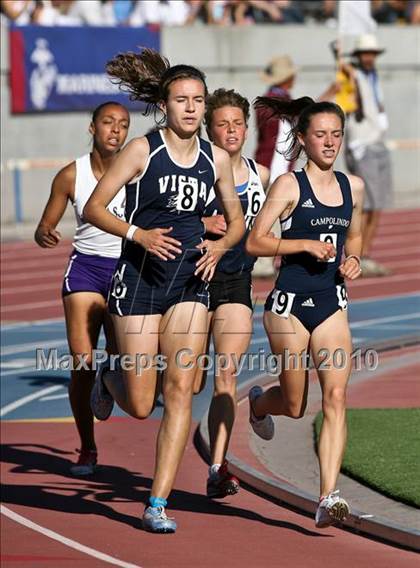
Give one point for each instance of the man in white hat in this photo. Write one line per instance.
(366, 153)
(280, 75)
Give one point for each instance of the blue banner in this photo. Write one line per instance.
(63, 69)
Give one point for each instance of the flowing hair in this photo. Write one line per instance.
(299, 113)
(146, 76)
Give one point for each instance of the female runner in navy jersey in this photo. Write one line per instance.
(92, 263)
(159, 298)
(320, 215)
(230, 312)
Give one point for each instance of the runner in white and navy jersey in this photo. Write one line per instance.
(230, 313)
(92, 262)
(159, 298)
(320, 214)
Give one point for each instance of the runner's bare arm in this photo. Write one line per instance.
(62, 190)
(350, 268)
(235, 223)
(281, 199)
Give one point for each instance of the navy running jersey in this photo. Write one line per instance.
(252, 197)
(168, 194)
(311, 219)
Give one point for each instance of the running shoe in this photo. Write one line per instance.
(262, 426)
(86, 464)
(101, 402)
(221, 483)
(155, 520)
(331, 509)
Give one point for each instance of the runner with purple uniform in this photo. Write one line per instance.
(92, 262)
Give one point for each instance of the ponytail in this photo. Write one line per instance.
(299, 113)
(146, 76)
(139, 74)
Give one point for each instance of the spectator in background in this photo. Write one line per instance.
(159, 12)
(396, 11)
(275, 11)
(70, 13)
(19, 12)
(272, 135)
(118, 11)
(321, 11)
(366, 153)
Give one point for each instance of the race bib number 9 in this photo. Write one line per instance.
(282, 303)
(329, 238)
(342, 296)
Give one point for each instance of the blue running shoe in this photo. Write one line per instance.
(155, 520)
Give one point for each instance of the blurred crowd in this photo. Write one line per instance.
(187, 12)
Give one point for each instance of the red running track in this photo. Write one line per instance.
(103, 513)
(31, 277)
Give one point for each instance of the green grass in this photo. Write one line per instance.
(383, 450)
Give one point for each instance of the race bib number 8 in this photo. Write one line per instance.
(329, 238)
(282, 303)
(187, 195)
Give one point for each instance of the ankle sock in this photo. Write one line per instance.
(157, 501)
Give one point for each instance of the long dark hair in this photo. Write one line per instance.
(299, 113)
(146, 76)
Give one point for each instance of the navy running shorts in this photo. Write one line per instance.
(310, 309)
(154, 288)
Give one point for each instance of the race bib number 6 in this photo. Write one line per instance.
(282, 303)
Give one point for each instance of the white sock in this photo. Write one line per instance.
(214, 468)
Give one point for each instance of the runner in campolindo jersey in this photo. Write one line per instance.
(320, 214)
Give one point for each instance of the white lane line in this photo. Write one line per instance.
(24, 347)
(19, 324)
(17, 364)
(29, 289)
(364, 323)
(400, 264)
(401, 251)
(54, 397)
(28, 398)
(23, 307)
(17, 372)
(35, 276)
(391, 239)
(374, 321)
(64, 540)
(43, 254)
(386, 297)
(386, 279)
